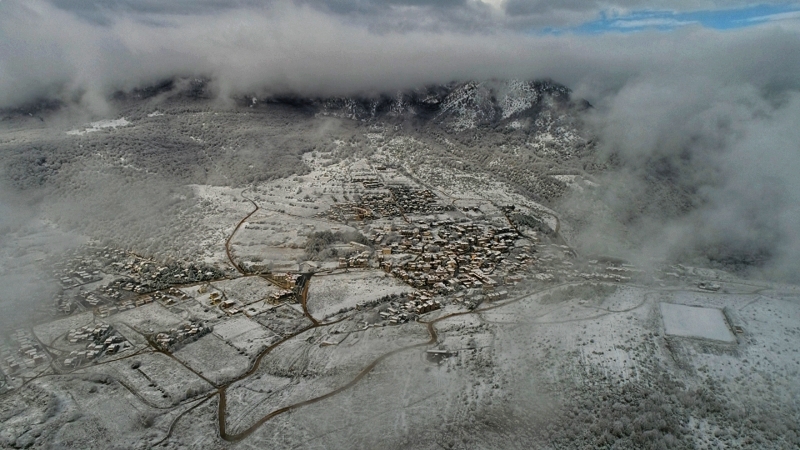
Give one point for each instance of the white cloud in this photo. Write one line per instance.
(650, 23)
(495, 3)
(46, 51)
(791, 15)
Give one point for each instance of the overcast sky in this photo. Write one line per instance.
(463, 15)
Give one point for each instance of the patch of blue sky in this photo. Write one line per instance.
(719, 19)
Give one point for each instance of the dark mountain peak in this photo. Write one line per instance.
(455, 106)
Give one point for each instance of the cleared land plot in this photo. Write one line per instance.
(283, 320)
(51, 331)
(247, 290)
(275, 258)
(255, 341)
(695, 321)
(245, 334)
(256, 308)
(158, 378)
(301, 369)
(329, 294)
(274, 229)
(245, 397)
(278, 240)
(147, 318)
(213, 358)
(229, 329)
(132, 336)
(202, 312)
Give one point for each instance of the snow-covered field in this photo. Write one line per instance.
(213, 358)
(100, 125)
(696, 321)
(330, 293)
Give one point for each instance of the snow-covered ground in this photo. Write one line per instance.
(331, 293)
(696, 321)
(100, 125)
(559, 363)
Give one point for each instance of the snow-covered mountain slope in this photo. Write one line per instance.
(455, 106)
(524, 131)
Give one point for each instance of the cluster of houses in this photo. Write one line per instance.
(438, 257)
(149, 271)
(92, 299)
(447, 256)
(88, 333)
(84, 266)
(63, 305)
(280, 296)
(420, 303)
(168, 298)
(100, 338)
(183, 334)
(416, 201)
(415, 304)
(381, 204)
(29, 352)
(393, 316)
(107, 310)
(394, 202)
(368, 180)
(78, 278)
(347, 211)
(360, 259)
(144, 276)
(102, 295)
(112, 291)
(130, 285)
(227, 305)
(284, 280)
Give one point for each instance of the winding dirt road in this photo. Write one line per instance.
(233, 233)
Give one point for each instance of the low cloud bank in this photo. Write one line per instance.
(707, 172)
(46, 51)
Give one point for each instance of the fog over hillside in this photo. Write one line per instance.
(534, 187)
